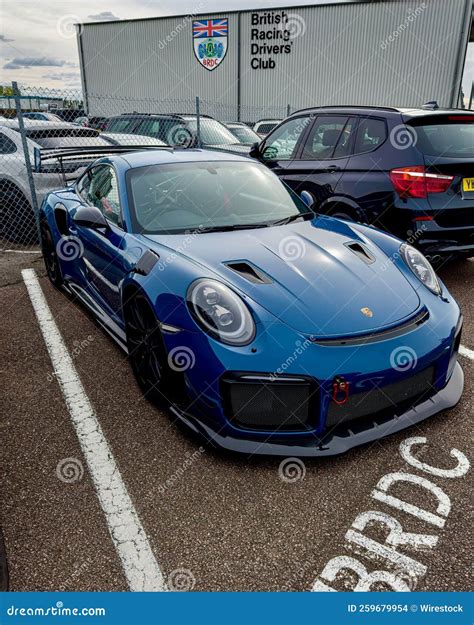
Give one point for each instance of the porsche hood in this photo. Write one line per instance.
(323, 282)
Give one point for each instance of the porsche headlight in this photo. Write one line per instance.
(220, 312)
(420, 267)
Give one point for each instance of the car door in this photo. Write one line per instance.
(104, 250)
(279, 148)
(322, 157)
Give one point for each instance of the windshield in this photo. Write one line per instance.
(198, 196)
(212, 132)
(245, 135)
(450, 138)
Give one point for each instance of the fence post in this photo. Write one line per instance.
(287, 110)
(26, 154)
(198, 123)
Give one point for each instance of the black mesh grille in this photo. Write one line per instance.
(394, 398)
(260, 404)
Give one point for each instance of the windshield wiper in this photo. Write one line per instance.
(230, 228)
(287, 220)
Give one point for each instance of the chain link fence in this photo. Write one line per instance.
(37, 125)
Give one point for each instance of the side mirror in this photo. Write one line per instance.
(307, 198)
(255, 151)
(90, 217)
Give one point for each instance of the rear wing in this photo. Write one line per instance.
(74, 160)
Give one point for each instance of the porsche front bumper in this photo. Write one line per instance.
(339, 439)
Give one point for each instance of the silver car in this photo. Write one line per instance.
(17, 219)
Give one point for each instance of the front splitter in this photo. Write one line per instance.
(333, 444)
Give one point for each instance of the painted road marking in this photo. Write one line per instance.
(406, 571)
(139, 564)
(466, 352)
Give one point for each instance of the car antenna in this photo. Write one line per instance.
(432, 105)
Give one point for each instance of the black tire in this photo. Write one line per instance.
(17, 222)
(342, 215)
(147, 353)
(50, 256)
(3, 565)
(341, 212)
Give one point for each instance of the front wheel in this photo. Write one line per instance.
(147, 353)
(50, 256)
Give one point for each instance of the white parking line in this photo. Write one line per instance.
(139, 564)
(466, 352)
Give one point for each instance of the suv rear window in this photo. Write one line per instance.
(449, 136)
(370, 134)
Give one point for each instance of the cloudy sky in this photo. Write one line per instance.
(38, 43)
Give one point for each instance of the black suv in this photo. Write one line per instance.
(178, 130)
(407, 171)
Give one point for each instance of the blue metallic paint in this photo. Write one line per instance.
(318, 295)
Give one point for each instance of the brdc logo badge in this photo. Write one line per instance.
(210, 41)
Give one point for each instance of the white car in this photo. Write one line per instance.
(120, 138)
(265, 126)
(17, 219)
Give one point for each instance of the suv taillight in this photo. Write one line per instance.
(417, 182)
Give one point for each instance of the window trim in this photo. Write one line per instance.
(121, 224)
(348, 117)
(380, 119)
(298, 141)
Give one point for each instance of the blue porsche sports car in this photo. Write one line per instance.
(265, 328)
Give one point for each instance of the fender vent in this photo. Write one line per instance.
(249, 272)
(60, 216)
(361, 251)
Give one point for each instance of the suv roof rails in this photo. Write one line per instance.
(348, 106)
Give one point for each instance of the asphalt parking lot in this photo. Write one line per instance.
(212, 522)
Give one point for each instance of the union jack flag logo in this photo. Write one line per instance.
(210, 28)
(210, 41)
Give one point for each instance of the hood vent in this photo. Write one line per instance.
(249, 272)
(361, 251)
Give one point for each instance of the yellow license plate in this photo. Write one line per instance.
(468, 184)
